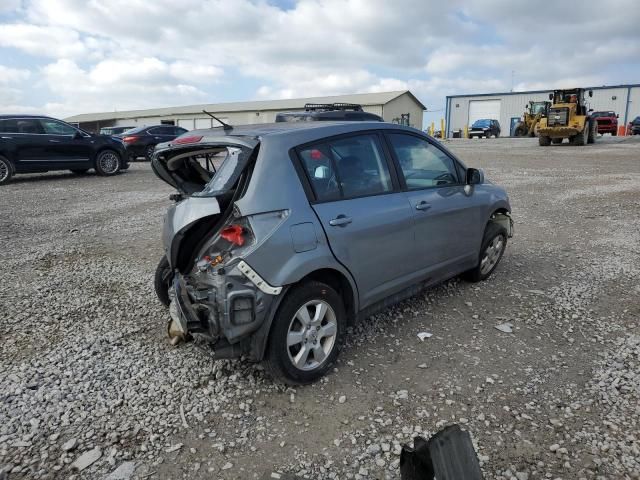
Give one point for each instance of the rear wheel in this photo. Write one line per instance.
(614, 133)
(107, 163)
(494, 243)
(307, 334)
(148, 152)
(162, 281)
(544, 141)
(6, 171)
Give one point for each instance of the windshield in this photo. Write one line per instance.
(481, 124)
(603, 114)
(538, 108)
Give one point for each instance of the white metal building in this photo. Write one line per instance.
(507, 108)
(392, 106)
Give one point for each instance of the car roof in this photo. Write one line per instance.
(25, 115)
(282, 128)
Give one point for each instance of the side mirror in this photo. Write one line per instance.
(551, 96)
(591, 93)
(77, 135)
(474, 176)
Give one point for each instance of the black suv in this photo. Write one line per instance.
(141, 141)
(32, 143)
(485, 127)
(329, 112)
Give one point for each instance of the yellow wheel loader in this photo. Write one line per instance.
(533, 112)
(568, 118)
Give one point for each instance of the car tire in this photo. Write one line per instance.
(593, 132)
(148, 152)
(310, 322)
(498, 135)
(6, 171)
(494, 243)
(544, 141)
(107, 163)
(79, 171)
(162, 281)
(557, 141)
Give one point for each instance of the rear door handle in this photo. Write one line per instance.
(7, 138)
(54, 141)
(340, 221)
(423, 206)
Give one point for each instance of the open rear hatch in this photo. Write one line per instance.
(209, 176)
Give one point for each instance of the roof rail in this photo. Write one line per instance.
(309, 107)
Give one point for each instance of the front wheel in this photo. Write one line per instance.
(162, 281)
(493, 246)
(6, 171)
(107, 163)
(544, 141)
(307, 334)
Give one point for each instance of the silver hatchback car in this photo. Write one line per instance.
(282, 234)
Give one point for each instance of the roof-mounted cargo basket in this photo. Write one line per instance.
(314, 107)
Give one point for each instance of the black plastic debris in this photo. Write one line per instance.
(448, 455)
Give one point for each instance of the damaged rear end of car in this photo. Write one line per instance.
(211, 290)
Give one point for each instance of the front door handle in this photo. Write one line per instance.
(340, 221)
(54, 141)
(423, 206)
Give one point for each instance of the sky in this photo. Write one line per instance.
(63, 57)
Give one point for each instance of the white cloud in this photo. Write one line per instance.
(42, 41)
(137, 53)
(8, 6)
(13, 75)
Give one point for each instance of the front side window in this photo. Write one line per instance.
(54, 127)
(423, 165)
(347, 167)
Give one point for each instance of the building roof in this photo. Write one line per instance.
(378, 98)
(602, 87)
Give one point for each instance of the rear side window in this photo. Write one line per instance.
(423, 165)
(21, 125)
(347, 167)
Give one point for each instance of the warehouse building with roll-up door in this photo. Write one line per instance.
(397, 107)
(507, 108)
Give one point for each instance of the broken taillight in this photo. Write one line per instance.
(233, 234)
(189, 139)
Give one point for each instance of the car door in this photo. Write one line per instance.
(29, 145)
(68, 147)
(446, 216)
(161, 134)
(366, 218)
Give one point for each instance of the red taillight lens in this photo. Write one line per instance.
(190, 139)
(130, 139)
(233, 234)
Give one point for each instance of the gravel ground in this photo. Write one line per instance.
(91, 387)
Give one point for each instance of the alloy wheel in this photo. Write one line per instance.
(109, 162)
(491, 254)
(4, 171)
(312, 335)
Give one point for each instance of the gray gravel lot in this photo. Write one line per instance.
(90, 382)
